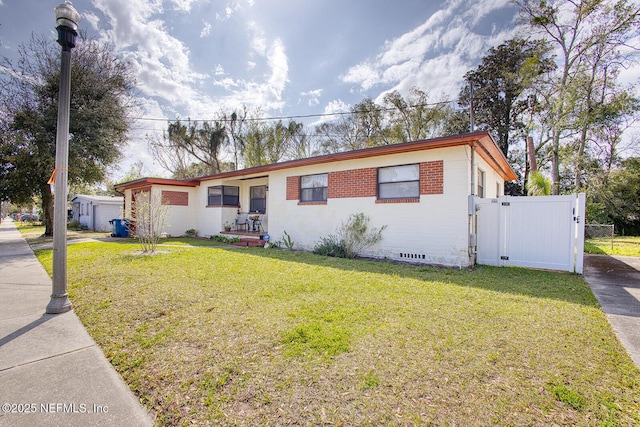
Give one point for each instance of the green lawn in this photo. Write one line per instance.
(215, 336)
(622, 245)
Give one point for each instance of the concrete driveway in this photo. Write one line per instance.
(615, 281)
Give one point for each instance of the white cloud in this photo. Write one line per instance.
(416, 58)
(336, 106)
(92, 19)
(206, 29)
(226, 83)
(218, 70)
(312, 96)
(229, 10)
(365, 74)
(183, 5)
(161, 60)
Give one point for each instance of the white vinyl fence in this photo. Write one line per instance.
(545, 232)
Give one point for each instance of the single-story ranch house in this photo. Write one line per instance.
(420, 190)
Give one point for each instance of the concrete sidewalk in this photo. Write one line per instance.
(615, 282)
(52, 373)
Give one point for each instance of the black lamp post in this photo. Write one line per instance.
(67, 19)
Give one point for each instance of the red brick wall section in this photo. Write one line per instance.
(432, 177)
(364, 182)
(353, 183)
(293, 188)
(175, 198)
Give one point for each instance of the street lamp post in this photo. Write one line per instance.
(67, 19)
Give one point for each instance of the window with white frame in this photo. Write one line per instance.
(313, 188)
(481, 175)
(399, 182)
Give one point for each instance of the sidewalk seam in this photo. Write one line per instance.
(49, 357)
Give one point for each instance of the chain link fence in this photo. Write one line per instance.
(599, 231)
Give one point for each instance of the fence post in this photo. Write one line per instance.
(580, 222)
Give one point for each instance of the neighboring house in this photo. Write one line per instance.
(420, 190)
(95, 212)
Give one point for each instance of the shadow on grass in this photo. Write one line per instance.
(559, 286)
(591, 248)
(517, 281)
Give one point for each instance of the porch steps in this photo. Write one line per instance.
(250, 243)
(247, 238)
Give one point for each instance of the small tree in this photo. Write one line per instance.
(150, 220)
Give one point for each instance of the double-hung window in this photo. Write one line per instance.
(399, 182)
(224, 195)
(258, 199)
(313, 188)
(481, 183)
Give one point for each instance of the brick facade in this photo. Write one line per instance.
(432, 177)
(353, 183)
(293, 188)
(364, 183)
(175, 198)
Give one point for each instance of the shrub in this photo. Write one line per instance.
(191, 233)
(225, 239)
(352, 238)
(356, 235)
(151, 220)
(330, 246)
(286, 239)
(76, 225)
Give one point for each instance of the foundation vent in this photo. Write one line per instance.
(412, 256)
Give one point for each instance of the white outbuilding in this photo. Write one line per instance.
(95, 212)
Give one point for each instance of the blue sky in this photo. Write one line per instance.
(193, 58)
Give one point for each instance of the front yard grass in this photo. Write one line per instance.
(214, 336)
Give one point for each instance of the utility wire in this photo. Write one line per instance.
(301, 116)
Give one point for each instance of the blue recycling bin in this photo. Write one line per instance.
(120, 227)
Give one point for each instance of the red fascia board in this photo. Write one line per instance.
(145, 182)
(493, 155)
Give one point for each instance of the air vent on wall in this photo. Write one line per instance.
(412, 256)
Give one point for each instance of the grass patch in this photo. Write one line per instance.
(320, 338)
(622, 245)
(214, 336)
(569, 396)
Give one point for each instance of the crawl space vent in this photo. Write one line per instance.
(412, 256)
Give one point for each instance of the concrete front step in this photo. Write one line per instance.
(252, 243)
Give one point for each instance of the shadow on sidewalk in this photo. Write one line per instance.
(26, 328)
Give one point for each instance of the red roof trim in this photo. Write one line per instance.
(145, 182)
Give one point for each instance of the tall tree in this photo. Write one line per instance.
(414, 117)
(101, 96)
(254, 143)
(169, 150)
(362, 127)
(193, 142)
(585, 34)
(499, 85)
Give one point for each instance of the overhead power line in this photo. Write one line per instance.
(292, 117)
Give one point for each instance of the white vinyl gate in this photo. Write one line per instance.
(545, 232)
